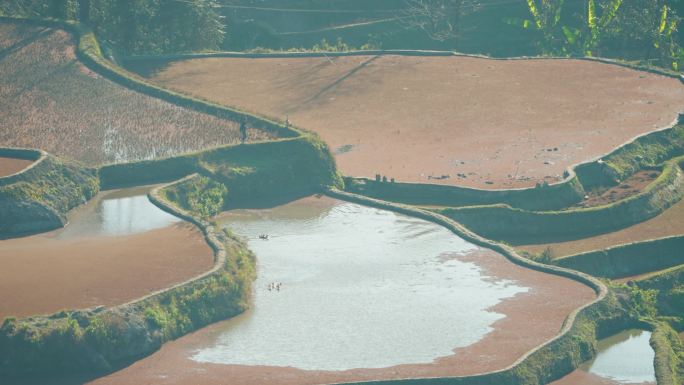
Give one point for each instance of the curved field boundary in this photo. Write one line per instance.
(37, 156)
(662, 279)
(553, 196)
(543, 197)
(104, 338)
(89, 53)
(208, 230)
(537, 357)
(628, 259)
(599, 171)
(37, 198)
(396, 52)
(517, 225)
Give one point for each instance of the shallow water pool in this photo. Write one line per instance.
(625, 357)
(117, 212)
(344, 286)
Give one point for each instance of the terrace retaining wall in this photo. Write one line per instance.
(517, 225)
(647, 150)
(628, 259)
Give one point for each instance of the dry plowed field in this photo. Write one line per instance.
(449, 120)
(50, 101)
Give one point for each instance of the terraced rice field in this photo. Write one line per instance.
(668, 223)
(448, 120)
(50, 101)
(116, 248)
(346, 276)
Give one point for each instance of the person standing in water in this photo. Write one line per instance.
(243, 131)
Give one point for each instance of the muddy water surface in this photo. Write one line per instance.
(365, 294)
(356, 287)
(9, 166)
(115, 248)
(117, 213)
(624, 358)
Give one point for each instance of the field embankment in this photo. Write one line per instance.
(669, 223)
(9, 166)
(97, 340)
(629, 259)
(483, 123)
(50, 100)
(523, 226)
(38, 198)
(116, 248)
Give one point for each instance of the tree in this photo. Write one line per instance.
(439, 19)
(646, 30)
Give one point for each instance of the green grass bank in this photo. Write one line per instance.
(38, 198)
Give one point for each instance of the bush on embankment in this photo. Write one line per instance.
(668, 347)
(670, 289)
(38, 198)
(520, 226)
(272, 171)
(628, 259)
(273, 168)
(645, 152)
(669, 354)
(542, 197)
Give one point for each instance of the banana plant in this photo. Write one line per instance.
(563, 39)
(664, 37)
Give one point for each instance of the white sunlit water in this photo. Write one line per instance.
(625, 357)
(117, 213)
(360, 288)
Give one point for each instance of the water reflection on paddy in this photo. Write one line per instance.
(116, 213)
(359, 288)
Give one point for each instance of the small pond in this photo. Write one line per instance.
(625, 357)
(344, 286)
(116, 213)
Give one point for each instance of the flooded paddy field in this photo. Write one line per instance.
(448, 120)
(117, 247)
(624, 358)
(346, 293)
(669, 223)
(9, 166)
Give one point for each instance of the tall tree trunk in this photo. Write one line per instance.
(84, 11)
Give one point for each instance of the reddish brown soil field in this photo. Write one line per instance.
(42, 275)
(669, 223)
(497, 124)
(629, 187)
(50, 101)
(551, 297)
(9, 166)
(580, 377)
